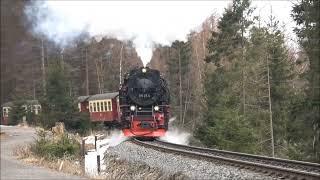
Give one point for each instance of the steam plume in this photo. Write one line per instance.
(146, 23)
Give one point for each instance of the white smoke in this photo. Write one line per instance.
(174, 135)
(115, 138)
(144, 22)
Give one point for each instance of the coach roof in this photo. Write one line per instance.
(25, 102)
(82, 98)
(103, 96)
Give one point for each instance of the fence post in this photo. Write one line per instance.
(98, 163)
(95, 142)
(83, 148)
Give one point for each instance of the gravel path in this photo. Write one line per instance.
(176, 164)
(11, 168)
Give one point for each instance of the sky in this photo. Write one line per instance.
(145, 22)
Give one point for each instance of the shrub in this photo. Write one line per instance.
(49, 149)
(16, 113)
(31, 118)
(79, 123)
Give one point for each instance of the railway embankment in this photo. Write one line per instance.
(173, 165)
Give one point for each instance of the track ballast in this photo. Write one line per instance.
(276, 167)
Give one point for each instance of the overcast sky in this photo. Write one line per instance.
(145, 22)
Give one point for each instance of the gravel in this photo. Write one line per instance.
(172, 166)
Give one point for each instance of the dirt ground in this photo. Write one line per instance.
(11, 168)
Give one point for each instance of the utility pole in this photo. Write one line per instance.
(33, 83)
(120, 66)
(43, 68)
(180, 87)
(87, 74)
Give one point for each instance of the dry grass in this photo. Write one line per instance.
(22, 152)
(65, 165)
(2, 135)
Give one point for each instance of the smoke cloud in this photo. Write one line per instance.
(175, 135)
(146, 23)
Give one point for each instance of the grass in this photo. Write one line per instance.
(60, 147)
(60, 154)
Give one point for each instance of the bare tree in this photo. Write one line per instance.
(43, 67)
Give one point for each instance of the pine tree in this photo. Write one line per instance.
(180, 54)
(17, 112)
(307, 17)
(226, 125)
(57, 105)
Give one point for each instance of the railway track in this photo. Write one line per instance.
(279, 168)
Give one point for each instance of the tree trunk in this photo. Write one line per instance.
(243, 70)
(120, 66)
(270, 108)
(87, 74)
(180, 88)
(187, 99)
(61, 57)
(43, 68)
(98, 76)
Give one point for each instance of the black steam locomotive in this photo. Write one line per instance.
(144, 103)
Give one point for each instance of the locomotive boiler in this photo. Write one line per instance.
(144, 103)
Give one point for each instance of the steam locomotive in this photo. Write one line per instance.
(144, 103)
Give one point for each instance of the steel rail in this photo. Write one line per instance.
(299, 165)
(272, 170)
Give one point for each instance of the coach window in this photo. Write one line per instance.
(90, 106)
(109, 106)
(94, 106)
(5, 112)
(36, 109)
(105, 106)
(97, 106)
(101, 106)
(25, 107)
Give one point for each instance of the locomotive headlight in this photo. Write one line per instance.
(156, 108)
(144, 70)
(132, 108)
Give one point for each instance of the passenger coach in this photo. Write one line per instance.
(101, 107)
(29, 105)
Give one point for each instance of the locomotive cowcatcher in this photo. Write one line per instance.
(144, 103)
